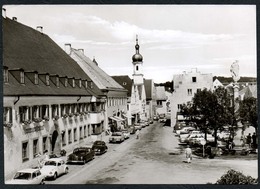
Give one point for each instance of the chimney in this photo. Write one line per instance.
(4, 12)
(68, 48)
(81, 50)
(14, 19)
(39, 28)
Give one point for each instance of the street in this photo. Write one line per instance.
(155, 158)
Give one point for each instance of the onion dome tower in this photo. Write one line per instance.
(137, 65)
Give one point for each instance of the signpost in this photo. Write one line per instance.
(203, 142)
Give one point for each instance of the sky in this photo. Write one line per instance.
(172, 38)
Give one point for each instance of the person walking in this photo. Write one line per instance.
(254, 141)
(137, 134)
(188, 154)
(249, 140)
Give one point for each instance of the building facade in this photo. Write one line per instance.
(49, 102)
(185, 86)
(115, 100)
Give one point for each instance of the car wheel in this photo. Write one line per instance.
(42, 182)
(55, 176)
(66, 170)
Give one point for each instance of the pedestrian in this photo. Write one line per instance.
(249, 140)
(188, 154)
(137, 134)
(254, 141)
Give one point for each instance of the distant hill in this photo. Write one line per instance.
(225, 80)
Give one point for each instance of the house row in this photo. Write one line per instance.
(58, 98)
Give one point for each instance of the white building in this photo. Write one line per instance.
(185, 86)
(217, 84)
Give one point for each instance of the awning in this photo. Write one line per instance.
(119, 118)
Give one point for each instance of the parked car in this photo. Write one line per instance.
(126, 133)
(151, 121)
(54, 167)
(185, 130)
(132, 130)
(27, 176)
(99, 147)
(146, 123)
(138, 126)
(81, 155)
(162, 120)
(155, 118)
(142, 123)
(117, 137)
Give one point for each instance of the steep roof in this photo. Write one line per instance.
(249, 91)
(126, 82)
(101, 78)
(31, 50)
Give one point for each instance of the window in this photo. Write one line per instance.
(44, 144)
(198, 90)
(6, 75)
(80, 83)
(36, 79)
(91, 84)
(63, 139)
(66, 82)
(25, 152)
(194, 79)
(57, 81)
(75, 135)
(55, 110)
(137, 68)
(179, 106)
(8, 115)
(35, 112)
(22, 77)
(35, 147)
(23, 112)
(69, 136)
(47, 80)
(80, 133)
(73, 83)
(180, 82)
(189, 92)
(45, 111)
(124, 83)
(85, 131)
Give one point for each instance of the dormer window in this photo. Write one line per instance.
(124, 83)
(91, 84)
(73, 82)
(86, 84)
(57, 81)
(36, 79)
(6, 75)
(22, 76)
(66, 82)
(47, 80)
(80, 83)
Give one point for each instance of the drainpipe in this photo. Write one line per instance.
(17, 100)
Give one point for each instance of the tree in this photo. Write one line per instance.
(248, 111)
(210, 110)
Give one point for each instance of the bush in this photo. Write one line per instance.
(236, 177)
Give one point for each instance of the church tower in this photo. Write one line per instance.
(138, 97)
(137, 66)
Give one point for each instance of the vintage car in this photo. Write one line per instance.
(99, 147)
(138, 126)
(54, 167)
(132, 130)
(126, 133)
(142, 123)
(117, 137)
(27, 176)
(81, 155)
(146, 123)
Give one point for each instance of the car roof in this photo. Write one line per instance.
(29, 170)
(55, 159)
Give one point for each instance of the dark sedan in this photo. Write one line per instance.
(99, 147)
(81, 155)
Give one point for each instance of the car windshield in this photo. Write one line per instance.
(21, 175)
(116, 134)
(81, 150)
(52, 163)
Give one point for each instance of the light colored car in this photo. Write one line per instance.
(126, 133)
(54, 167)
(137, 126)
(28, 176)
(185, 130)
(117, 137)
